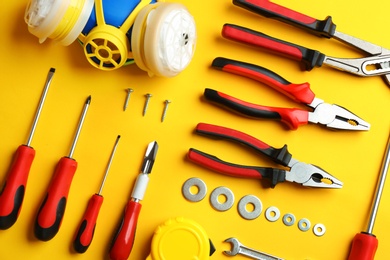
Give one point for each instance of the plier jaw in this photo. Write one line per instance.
(336, 117)
(311, 176)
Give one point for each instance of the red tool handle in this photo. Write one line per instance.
(291, 116)
(124, 238)
(308, 58)
(52, 210)
(298, 92)
(278, 155)
(12, 194)
(325, 28)
(235, 170)
(364, 246)
(86, 229)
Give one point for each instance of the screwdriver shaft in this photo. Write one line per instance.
(83, 114)
(381, 184)
(40, 105)
(109, 165)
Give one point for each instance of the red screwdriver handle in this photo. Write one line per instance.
(124, 238)
(52, 210)
(292, 117)
(298, 92)
(12, 194)
(325, 28)
(308, 58)
(364, 246)
(86, 229)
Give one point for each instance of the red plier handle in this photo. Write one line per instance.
(280, 156)
(308, 58)
(298, 92)
(292, 117)
(325, 28)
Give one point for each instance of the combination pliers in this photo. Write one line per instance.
(329, 115)
(299, 172)
(378, 63)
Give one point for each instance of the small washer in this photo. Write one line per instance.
(224, 192)
(202, 189)
(304, 224)
(272, 214)
(289, 219)
(250, 199)
(319, 230)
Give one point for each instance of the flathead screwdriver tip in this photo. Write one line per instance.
(52, 70)
(150, 157)
(88, 101)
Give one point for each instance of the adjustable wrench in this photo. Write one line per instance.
(238, 248)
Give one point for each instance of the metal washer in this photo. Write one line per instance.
(272, 217)
(202, 189)
(319, 229)
(250, 199)
(289, 219)
(225, 192)
(304, 224)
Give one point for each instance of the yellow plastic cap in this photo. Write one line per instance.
(180, 238)
(163, 39)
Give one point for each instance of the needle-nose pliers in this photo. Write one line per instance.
(299, 172)
(331, 116)
(376, 63)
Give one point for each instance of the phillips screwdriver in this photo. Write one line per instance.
(14, 188)
(87, 226)
(51, 212)
(364, 244)
(124, 237)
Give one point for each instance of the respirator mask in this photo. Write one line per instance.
(158, 37)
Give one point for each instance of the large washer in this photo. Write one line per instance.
(216, 193)
(257, 207)
(202, 189)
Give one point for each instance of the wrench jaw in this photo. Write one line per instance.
(235, 245)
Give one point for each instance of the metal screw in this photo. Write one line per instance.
(129, 91)
(167, 102)
(148, 96)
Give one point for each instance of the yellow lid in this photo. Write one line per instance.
(180, 238)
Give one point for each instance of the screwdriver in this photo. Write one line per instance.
(52, 209)
(364, 244)
(124, 237)
(87, 226)
(14, 188)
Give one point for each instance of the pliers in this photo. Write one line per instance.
(332, 116)
(299, 172)
(379, 57)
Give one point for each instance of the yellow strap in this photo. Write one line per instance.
(99, 12)
(130, 20)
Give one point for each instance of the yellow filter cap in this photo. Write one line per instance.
(180, 238)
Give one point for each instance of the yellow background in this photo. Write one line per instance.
(353, 157)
